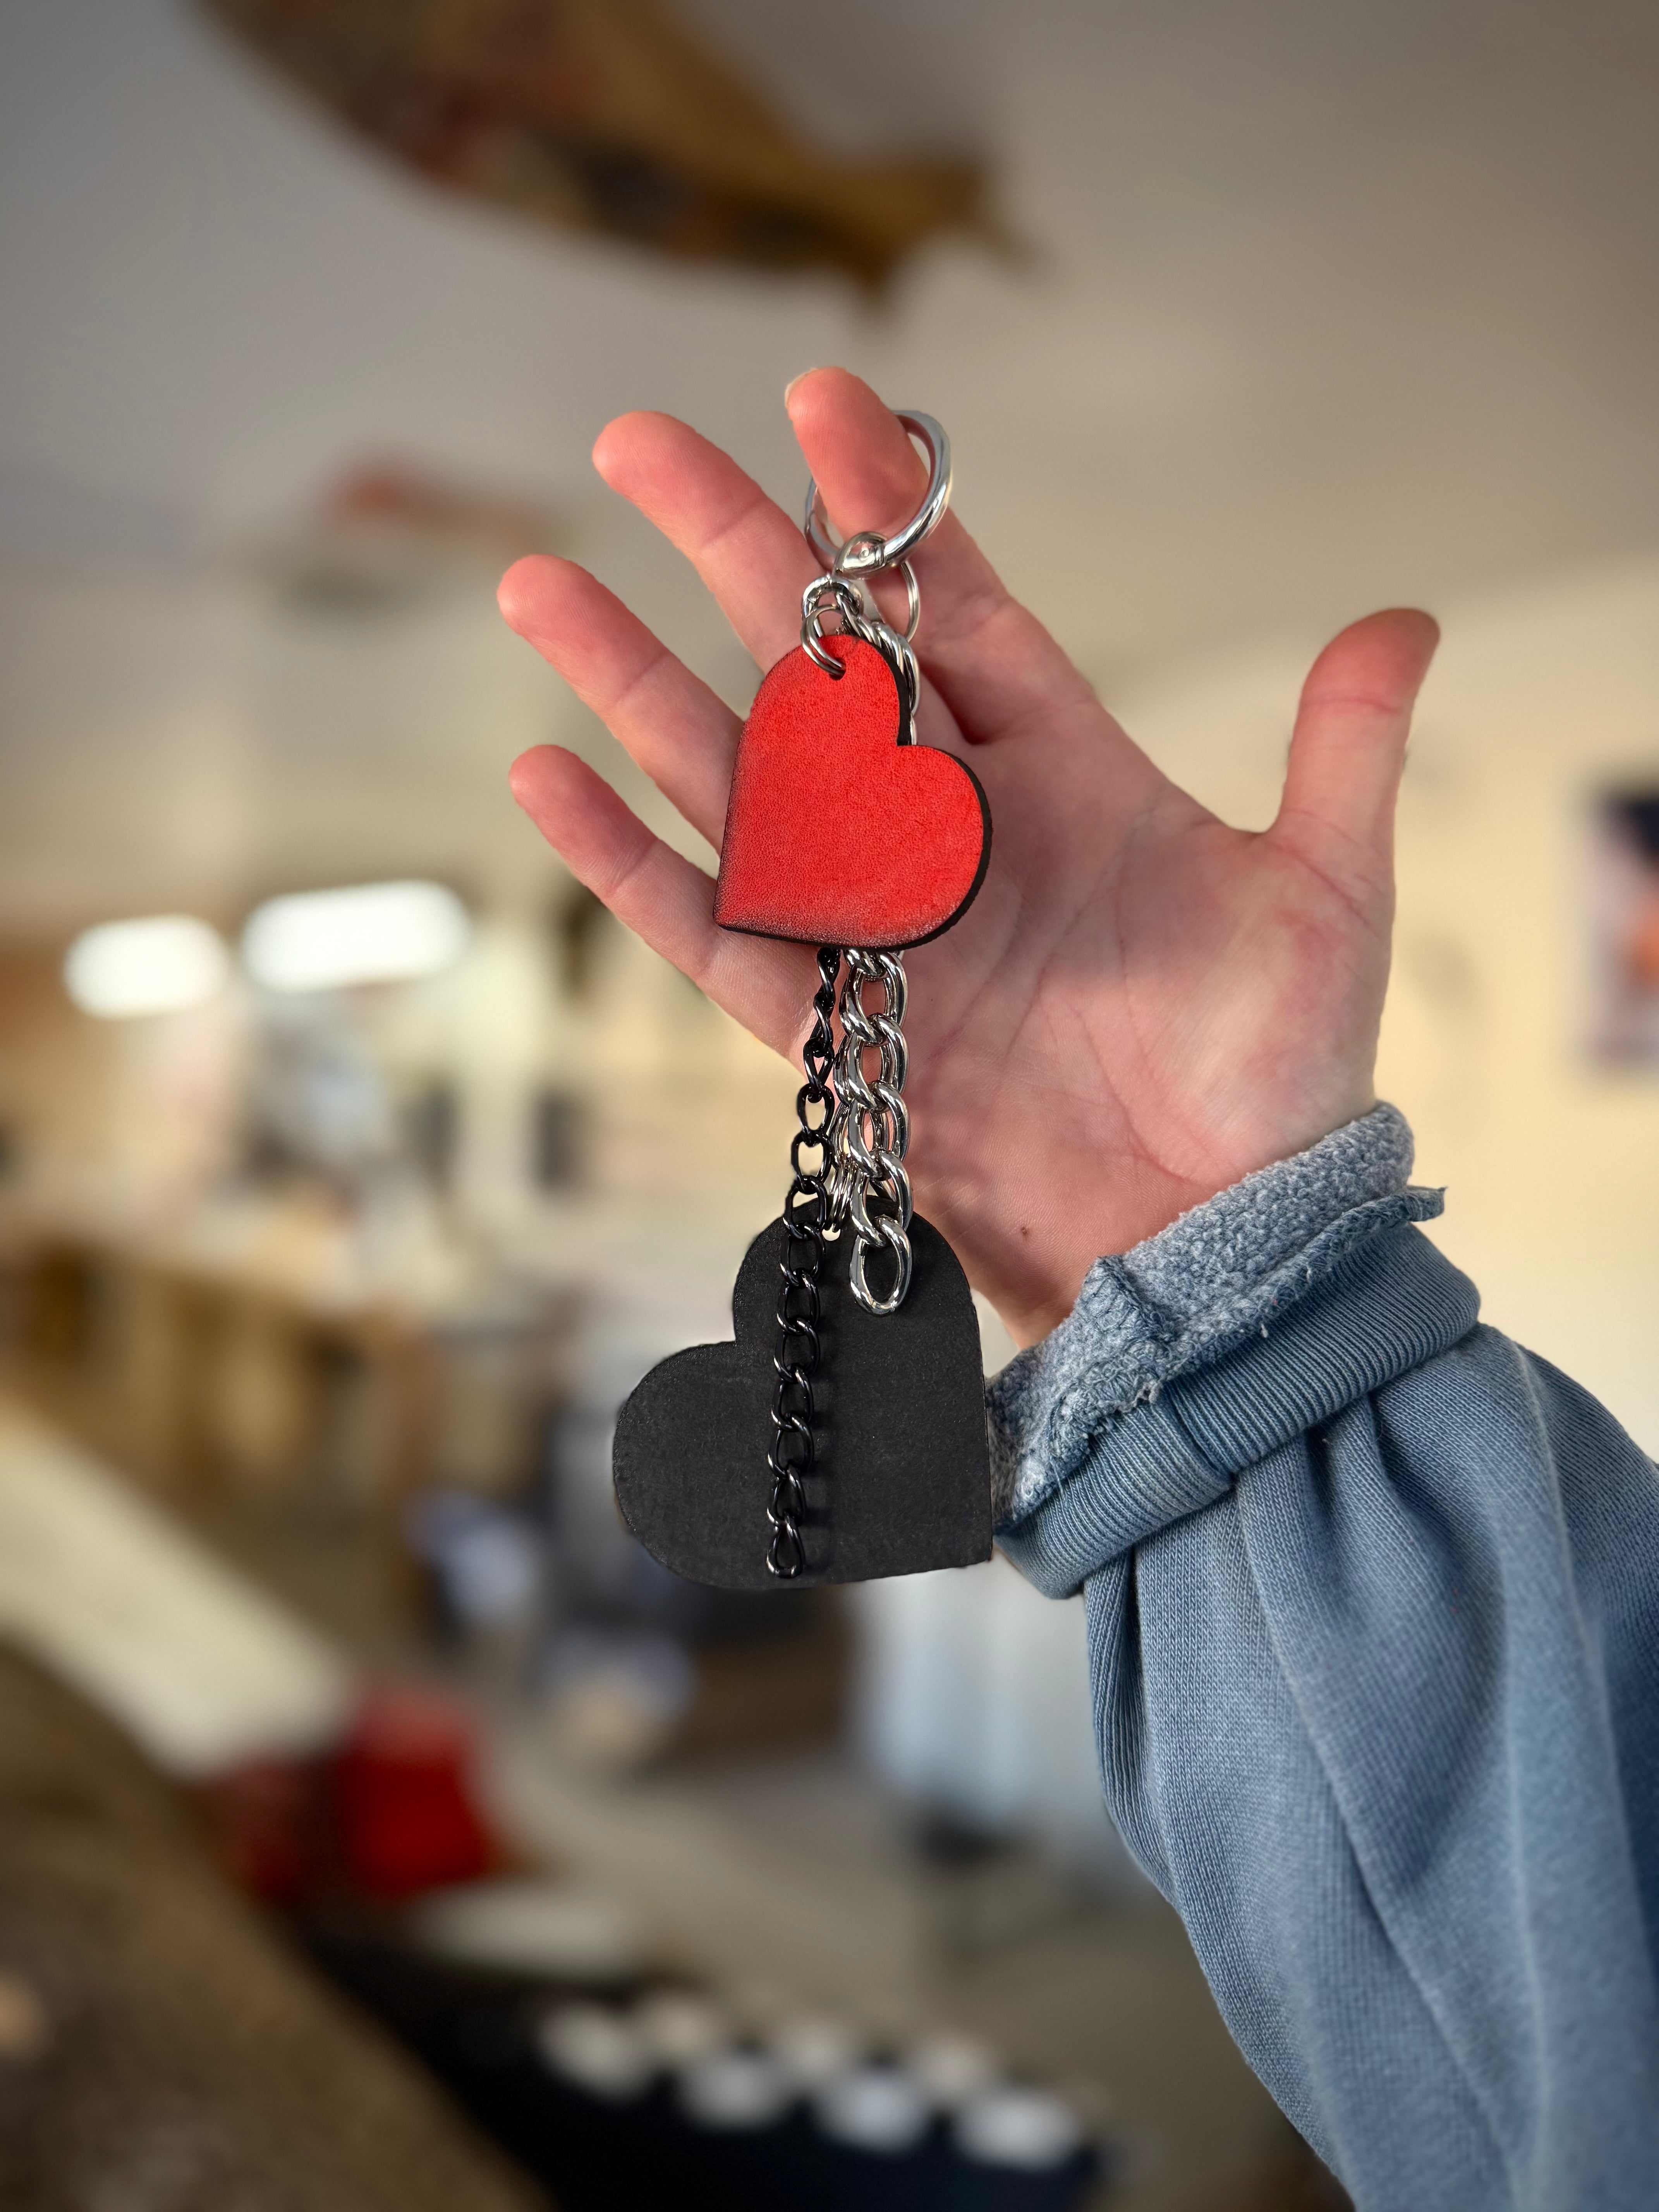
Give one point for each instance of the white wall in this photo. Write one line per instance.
(1538, 699)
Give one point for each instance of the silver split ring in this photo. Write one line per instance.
(912, 601)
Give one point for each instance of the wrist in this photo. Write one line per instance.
(1208, 1280)
(1028, 1231)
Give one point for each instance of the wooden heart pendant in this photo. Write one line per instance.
(901, 1480)
(840, 830)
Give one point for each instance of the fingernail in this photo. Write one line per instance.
(789, 388)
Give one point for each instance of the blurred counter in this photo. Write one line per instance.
(255, 1368)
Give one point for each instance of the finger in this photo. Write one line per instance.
(997, 666)
(751, 557)
(1349, 744)
(680, 733)
(662, 897)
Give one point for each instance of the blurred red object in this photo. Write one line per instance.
(270, 1828)
(406, 1815)
(389, 1813)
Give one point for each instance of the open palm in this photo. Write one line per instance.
(1143, 1004)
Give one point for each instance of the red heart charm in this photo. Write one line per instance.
(837, 832)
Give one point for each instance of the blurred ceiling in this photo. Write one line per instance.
(1328, 307)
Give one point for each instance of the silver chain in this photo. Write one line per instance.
(865, 1184)
(870, 1135)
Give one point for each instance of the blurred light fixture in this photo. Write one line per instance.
(156, 966)
(370, 933)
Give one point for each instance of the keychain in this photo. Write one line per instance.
(841, 1436)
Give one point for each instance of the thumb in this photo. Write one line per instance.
(1349, 745)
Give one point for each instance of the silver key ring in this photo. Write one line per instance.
(863, 555)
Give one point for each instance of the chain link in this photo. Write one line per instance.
(805, 1217)
(860, 1129)
(863, 1129)
(868, 1182)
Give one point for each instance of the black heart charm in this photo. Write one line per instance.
(902, 1482)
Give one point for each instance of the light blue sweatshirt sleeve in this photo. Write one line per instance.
(1372, 1599)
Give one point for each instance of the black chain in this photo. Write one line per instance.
(805, 1217)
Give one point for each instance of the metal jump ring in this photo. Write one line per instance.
(912, 601)
(887, 552)
(898, 1244)
(811, 631)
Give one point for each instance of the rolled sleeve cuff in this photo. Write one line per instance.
(1202, 1349)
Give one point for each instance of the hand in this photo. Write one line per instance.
(1142, 1005)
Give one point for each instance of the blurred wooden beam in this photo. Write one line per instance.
(612, 118)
